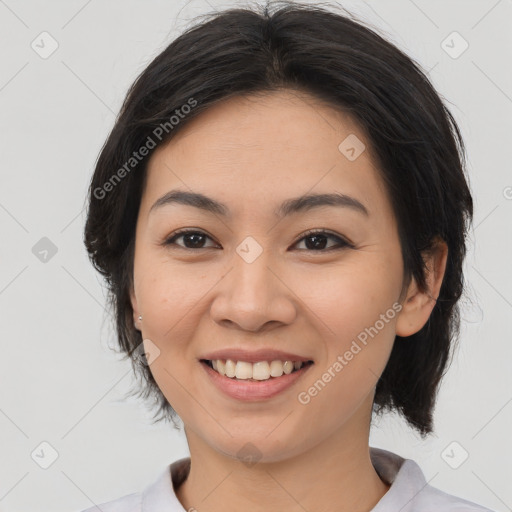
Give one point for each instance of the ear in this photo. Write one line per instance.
(418, 305)
(135, 308)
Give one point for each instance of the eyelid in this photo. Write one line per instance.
(185, 231)
(343, 241)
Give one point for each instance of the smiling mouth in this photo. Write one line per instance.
(260, 371)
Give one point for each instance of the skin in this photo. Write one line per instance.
(252, 153)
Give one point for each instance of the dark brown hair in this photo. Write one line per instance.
(336, 59)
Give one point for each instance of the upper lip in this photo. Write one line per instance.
(253, 356)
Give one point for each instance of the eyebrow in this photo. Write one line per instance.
(295, 205)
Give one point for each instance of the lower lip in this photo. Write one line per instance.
(252, 389)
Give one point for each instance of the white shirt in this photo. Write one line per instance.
(409, 491)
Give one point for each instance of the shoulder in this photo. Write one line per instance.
(433, 498)
(129, 503)
(410, 492)
(158, 495)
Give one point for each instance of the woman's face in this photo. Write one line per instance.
(252, 279)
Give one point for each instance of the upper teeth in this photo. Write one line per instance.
(262, 370)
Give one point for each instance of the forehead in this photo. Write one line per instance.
(265, 148)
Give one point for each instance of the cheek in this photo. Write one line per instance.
(168, 292)
(353, 310)
(354, 358)
(170, 300)
(348, 298)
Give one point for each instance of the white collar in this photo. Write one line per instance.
(409, 491)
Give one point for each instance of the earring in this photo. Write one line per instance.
(140, 318)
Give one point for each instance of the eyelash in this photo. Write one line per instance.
(343, 243)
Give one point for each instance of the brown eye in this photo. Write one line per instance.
(191, 239)
(317, 241)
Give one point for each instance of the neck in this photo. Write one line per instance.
(333, 476)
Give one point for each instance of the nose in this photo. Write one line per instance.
(253, 296)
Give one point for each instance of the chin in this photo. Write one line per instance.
(251, 448)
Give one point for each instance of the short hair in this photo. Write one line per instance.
(338, 60)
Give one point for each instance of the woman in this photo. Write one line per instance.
(280, 213)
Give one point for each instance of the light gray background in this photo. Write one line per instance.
(61, 384)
